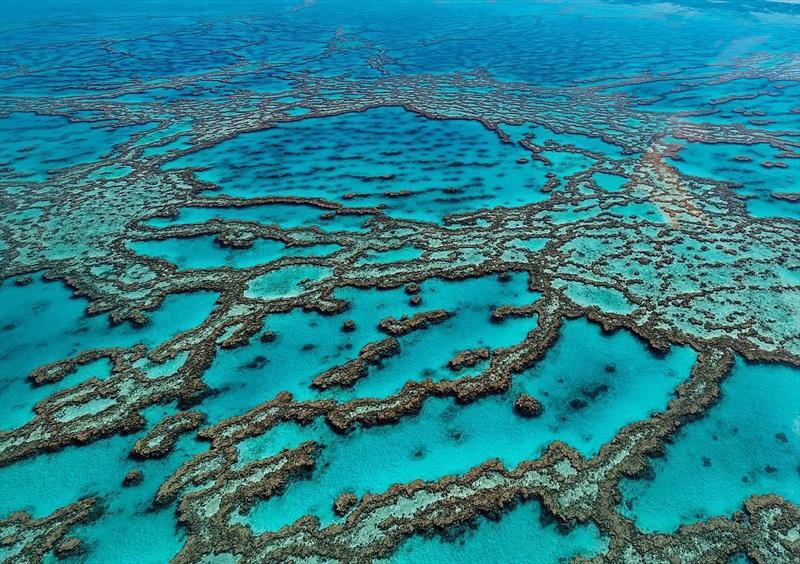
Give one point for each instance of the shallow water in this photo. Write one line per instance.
(216, 203)
(43, 323)
(280, 214)
(307, 344)
(204, 252)
(370, 153)
(587, 384)
(748, 443)
(511, 538)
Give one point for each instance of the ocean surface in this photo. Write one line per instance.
(403, 281)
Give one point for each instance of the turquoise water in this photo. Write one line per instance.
(370, 153)
(307, 344)
(33, 145)
(278, 214)
(591, 380)
(593, 191)
(43, 484)
(286, 282)
(754, 181)
(43, 323)
(511, 538)
(204, 252)
(589, 384)
(748, 443)
(609, 182)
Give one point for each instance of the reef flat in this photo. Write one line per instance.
(346, 281)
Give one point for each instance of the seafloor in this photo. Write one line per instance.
(400, 281)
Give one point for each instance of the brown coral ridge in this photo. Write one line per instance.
(344, 503)
(499, 314)
(745, 339)
(573, 489)
(405, 325)
(349, 373)
(225, 436)
(710, 306)
(528, 406)
(763, 530)
(58, 370)
(56, 424)
(27, 540)
(787, 196)
(236, 490)
(133, 478)
(70, 546)
(495, 379)
(468, 359)
(191, 186)
(304, 539)
(161, 439)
